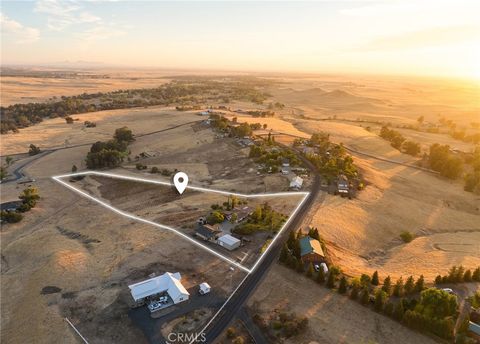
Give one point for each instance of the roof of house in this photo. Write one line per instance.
(167, 282)
(208, 230)
(228, 239)
(473, 327)
(310, 245)
(205, 286)
(296, 181)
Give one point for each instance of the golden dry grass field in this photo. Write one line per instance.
(362, 234)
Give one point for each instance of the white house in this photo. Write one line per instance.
(229, 242)
(167, 283)
(296, 183)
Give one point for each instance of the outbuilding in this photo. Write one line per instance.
(168, 283)
(204, 288)
(229, 242)
(296, 183)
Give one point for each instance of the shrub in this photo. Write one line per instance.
(407, 236)
(231, 332)
(342, 288)
(11, 216)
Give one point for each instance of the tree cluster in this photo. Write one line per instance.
(441, 160)
(180, 91)
(263, 218)
(110, 153)
(398, 141)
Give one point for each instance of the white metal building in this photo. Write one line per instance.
(229, 242)
(167, 283)
(296, 183)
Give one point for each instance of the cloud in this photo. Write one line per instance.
(62, 14)
(99, 32)
(424, 38)
(22, 34)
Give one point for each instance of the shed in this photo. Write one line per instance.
(204, 288)
(296, 183)
(229, 242)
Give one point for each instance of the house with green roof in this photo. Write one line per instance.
(311, 250)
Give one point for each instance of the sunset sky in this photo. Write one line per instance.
(422, 37)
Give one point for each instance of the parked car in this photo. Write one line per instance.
(449, 290)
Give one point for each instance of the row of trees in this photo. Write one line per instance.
(178, 91)
(430, 310)
(110, 153)
(398, 141)
(459, 275)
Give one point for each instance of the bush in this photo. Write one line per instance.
(231, 332)
(11, 216)
(154, 169)
(407, 236)
(34, 150)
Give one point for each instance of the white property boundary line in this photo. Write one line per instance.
(176, 231)
(77, 331)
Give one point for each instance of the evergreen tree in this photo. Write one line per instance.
(387, 285)
(399, 311)
(310, 270)
(420, 285)
(388, 310)
(380, 300)
(299, 234)
(398, 288)
(284, 254)
(467, 276)
(74, 169)
(364, 296)
(375, 280)
(409, 285)
(342, 288)
(356, 285)
(331, 280)
(300, 266)
(321, 276)
(291, 240)
(365, 280)
(438, 280)
(476, 274)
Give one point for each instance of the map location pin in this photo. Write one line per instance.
(180, 180)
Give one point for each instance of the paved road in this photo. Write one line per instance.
(235, 303)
